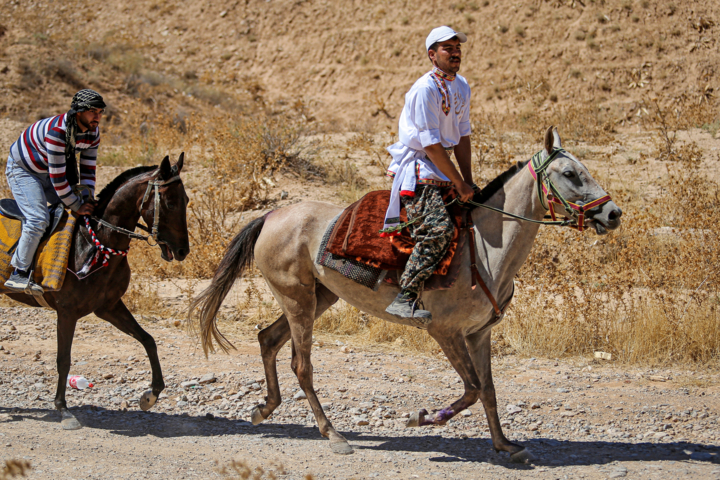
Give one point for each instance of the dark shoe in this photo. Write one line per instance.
(406, 306)
(20, 282)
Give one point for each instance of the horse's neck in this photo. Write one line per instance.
(122, 211)
(504, 243)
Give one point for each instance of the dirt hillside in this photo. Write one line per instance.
(348, 63)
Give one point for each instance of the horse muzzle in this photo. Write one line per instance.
(169, 254)
(607, 218)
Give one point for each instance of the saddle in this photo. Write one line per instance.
(53, 251)
(9, 208)
(356, 236)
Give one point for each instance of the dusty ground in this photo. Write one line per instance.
(580, 418)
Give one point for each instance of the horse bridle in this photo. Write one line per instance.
(152, 183)
(549, 195)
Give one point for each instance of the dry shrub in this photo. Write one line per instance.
(242, 470)
(142, 297)
(15, 468)
(344, 319)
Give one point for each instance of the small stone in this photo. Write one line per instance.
(108, 376)
(181, 404)
(619, 472)
(466, 413)
(342, 389)
(361, 420)
(255, 386)
(346, 349)
(207, 378)
(657, 378)
(284, 195)
(299, 395)
(513, 409)
(189, 384)
(209, 416)
(124, 404)
(223, 14)
(568, 414)
(177, 323)
(535, 406)
(562, 390)
(377, 413)
(603, 355)
(216, 396)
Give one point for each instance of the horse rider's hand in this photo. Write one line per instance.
(464, 191)
(86, 209)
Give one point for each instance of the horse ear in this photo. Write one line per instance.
(179, 163)
(165, 168)
(556, 138)
(549, 140)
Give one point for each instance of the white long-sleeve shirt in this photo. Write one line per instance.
(423, 123)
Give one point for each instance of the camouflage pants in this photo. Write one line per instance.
(432, 236)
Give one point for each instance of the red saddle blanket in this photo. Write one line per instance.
(356, 235)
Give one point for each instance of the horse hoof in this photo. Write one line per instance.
(256, 417)
(413, 421)
(147, 401)
(341, 448)
(70, 423)
(523, 456)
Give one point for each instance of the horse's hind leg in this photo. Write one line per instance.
(65, 333)
(119, 316)
(272, 340)
(455, 349)
(479, 346)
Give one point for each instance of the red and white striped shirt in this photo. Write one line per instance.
(41, 149)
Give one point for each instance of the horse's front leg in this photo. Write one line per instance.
(65, 333)
(453, 345)
(479, 347)
(123, 320)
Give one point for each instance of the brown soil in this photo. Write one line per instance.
(350, 63)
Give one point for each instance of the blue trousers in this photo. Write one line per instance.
(32, 192)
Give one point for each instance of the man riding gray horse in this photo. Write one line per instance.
(42, 167)
(434, 121)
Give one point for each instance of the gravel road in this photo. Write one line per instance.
(580, 418)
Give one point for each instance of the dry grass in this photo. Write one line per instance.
(242, 470)
(15, 468)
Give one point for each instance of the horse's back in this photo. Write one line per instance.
(291, 237)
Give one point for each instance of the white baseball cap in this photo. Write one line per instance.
(440, 34)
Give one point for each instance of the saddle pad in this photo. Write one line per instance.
(51, 259)
(358, 272)
(356, 235)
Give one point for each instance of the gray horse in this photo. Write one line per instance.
(285, 242)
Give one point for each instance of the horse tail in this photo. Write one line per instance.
(238, 256)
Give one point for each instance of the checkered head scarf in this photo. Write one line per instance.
(83, 100)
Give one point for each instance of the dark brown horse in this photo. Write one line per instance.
(121, 203)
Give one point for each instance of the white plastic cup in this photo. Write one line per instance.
(78, 382)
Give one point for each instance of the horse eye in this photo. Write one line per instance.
(171, 206)
(569, 174)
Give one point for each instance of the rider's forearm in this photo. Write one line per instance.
(464, 158)
(440, 158)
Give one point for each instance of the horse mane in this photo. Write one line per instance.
(496, 184)
(107, 193)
